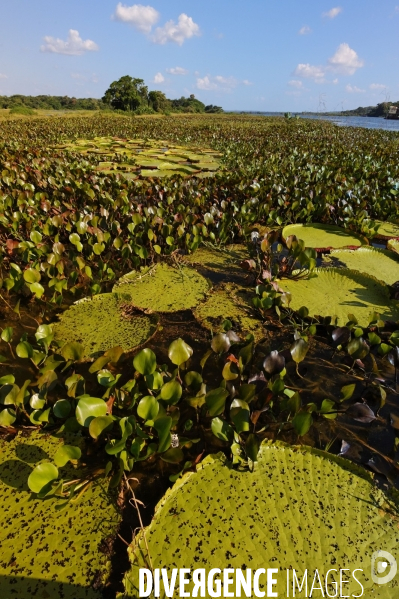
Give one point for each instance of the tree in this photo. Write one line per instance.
(158, 101)
(126, 94)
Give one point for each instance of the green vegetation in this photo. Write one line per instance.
(154, 316)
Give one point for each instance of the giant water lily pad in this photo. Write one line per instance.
(220, 263)
(324, 236)
(45, 552)
(103, 322)
(339, 292)
(147, 158)
(232, 302)
(381, 264)
(164, 288)
(299, 509)
(387, 229)
(393, 244)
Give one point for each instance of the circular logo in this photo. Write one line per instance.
(383, 567)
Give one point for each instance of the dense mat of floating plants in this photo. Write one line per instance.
(47, 552)
(163, 288)
(324, 236)
(338, 292)
(103, 322)
(322, 506)
(381, 264)
(147, 158)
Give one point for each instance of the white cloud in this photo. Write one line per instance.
(184, 29)
(73, 46)
(295, 83)
(304, 30)
(142, 18)
(206, 83)
(177, 71)
(345, 60)
(2, 76)
(247, 82)
(352, 89)
(159, 78)
(334, 12)
(335, 81)
(220, 83)
(378, 86)
(308, 71)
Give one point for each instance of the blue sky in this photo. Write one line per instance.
(269, 55)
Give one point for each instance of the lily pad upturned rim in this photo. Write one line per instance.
(368, 251)
(387, 230)
(298, 228)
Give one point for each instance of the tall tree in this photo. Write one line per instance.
(127, 94)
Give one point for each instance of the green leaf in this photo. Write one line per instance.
(24, 350)
(37, 289)
(72, 351)
(66, 453)
(7, 379)
(179, 352)
(6, 334)
(148, 408)
(31, 275)
(89, 408)
(99, 425)
(302, 423)
(41, 476)
(347, 391)
(216, 400)
(7, 417)
(299, 349)
(328, 409)
(163, 426)
(174, 455)
(252, 447)
(171, 392)
(145, 362)
(222, 430)
(35, 236)
(62, 408)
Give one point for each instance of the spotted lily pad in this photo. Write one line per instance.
(103, 322)
(164, 288)
(46, 552)
(339, 292)
(232, 302)
(324, 236)
(323, 513)
(381, 264)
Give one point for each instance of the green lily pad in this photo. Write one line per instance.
(164, 288)
(323, 513)
(387, 229)
(47, 552)
(104, 322)
(232, 302)
(381, 264)
(324, 236)
(339, 292)
(154, 158)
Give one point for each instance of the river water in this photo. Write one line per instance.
(347, 121)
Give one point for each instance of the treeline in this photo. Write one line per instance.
(127, 95)
(51, 102)
(381, 110)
